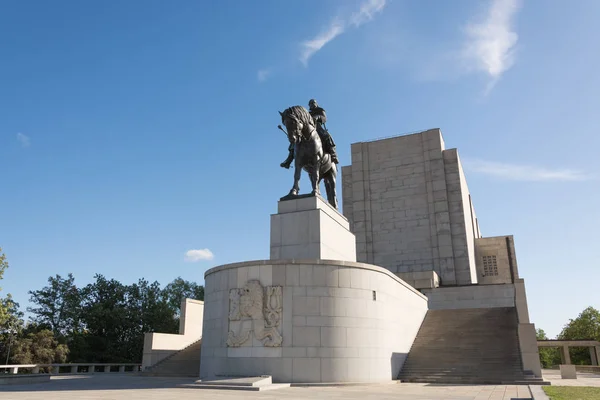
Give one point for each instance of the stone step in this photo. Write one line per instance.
(466, 346)
(184, 363)
(258, 383)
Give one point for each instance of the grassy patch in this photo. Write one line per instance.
(572, 392)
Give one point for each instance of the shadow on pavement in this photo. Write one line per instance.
(98, 382)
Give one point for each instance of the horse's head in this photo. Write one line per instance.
(298, 123)
(292, 126)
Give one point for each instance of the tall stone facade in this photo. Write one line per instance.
(409, 206)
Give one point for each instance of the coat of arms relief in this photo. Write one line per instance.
(262, 308)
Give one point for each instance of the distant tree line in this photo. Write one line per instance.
(103, 321)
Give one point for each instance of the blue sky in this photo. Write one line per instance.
(133, 132)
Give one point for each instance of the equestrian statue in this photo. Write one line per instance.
(311, 148)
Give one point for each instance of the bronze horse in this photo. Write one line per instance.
(308, 154)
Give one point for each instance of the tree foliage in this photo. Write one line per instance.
(585, 326)
(39, 348)
(181, 289)
(549, 356)
(3, 308)
(105, 321)
(58, 305)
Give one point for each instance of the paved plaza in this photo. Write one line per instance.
(137, 388)
(583, 379)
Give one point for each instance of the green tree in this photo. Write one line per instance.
(549, 356)
(11, 329)
(39, 348)
(105, 317)
(585, 326)
(105, 321)
(3, 308)
(181, 289)
(58, 305)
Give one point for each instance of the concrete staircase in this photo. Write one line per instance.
(185, 363)
(476, 346)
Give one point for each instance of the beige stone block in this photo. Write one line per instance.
(306, 370)
(267, 352)
(242, 276)
(568, 371)
(292, 275)
(232, 279)
(334, 370)
(299, 321)
(306, 306)
(423, 283)
(299, 291)
(356, 308)
(294, 352)
(333, 336)
(345, 352)
(254, 272)
(307, 336)
(360, 278)
(358, 337)
(266, 275)
(280, 369)
(279, 275)
(325, 275)
(239, 352)
(288, 305)
(358, 370)
(327, 306)
(344, 277)
(306, 275)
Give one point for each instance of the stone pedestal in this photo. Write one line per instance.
(309, 228)
(568, 371)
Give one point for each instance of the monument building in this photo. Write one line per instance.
(409, 206)
(402, 285)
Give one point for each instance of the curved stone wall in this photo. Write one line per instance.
(308, 321)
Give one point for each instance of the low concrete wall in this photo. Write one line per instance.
(420, 279)
(476, 296)
(158, 346)
(9, 379)
(341, 322)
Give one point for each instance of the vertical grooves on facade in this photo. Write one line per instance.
(368, 209)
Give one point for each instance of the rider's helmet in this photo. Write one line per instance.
(312, 104)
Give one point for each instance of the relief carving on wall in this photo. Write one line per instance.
(262, 307)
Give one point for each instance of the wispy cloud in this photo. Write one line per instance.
(23, 139)
(367, 11)
(528, 173)
(310, 47)
(198, 255)
(491, 40)
(263, 74)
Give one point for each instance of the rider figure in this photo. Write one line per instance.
(318, 115)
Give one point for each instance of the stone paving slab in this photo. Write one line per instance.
(96, 387)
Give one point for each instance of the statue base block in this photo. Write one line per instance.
(308, 227)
